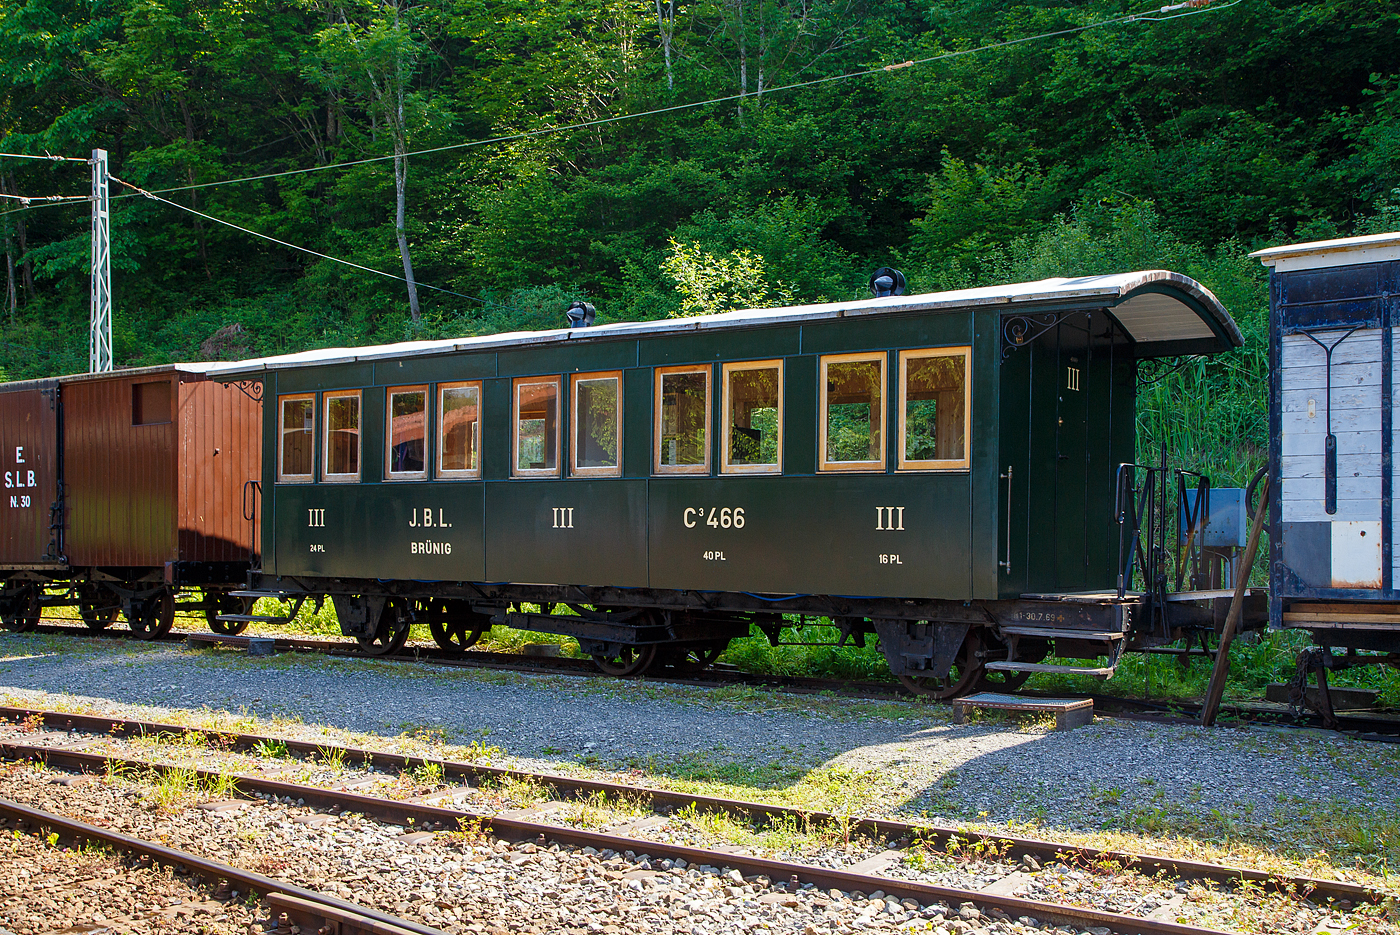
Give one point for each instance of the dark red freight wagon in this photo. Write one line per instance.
(157, 467)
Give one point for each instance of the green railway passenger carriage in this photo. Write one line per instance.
(942, 470)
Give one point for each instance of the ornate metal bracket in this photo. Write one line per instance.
(1019, 330)
(1156, 369)
(253, 389)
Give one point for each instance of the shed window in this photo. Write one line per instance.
(597, 424)
(343, 436)
(753, 417)
(683, 420)
(853, 412)
(408, 431)
(459, 415)
(150, 403)
(537, 427)
(934, 408)
(298, 416)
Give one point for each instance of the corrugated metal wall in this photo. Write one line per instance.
(29, 461)
(220, 434)
(120, 477)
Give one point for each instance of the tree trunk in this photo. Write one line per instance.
(10, 294)
(26, 267)
(666, 25)
(743, 59)
(401, 185)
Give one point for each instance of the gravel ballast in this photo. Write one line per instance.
(1266, 787)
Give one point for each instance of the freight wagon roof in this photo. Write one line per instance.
(1321, 254)
(1165, 313)
(194, 367)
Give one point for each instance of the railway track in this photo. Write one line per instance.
(421, 816)
(1382, 729)
(425, 814)
(290, 905)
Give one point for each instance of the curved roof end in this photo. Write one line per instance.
(1169, 314)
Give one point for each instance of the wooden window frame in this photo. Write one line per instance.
(963, 464)
(725, 370)
(574, 380)
(515, 469)
(825, 465)
(326, 475)
(389, 393)
(704, 467)
(439, 472)
(283, 478)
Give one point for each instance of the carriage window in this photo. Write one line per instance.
(853, 412)
(753, 420)
(459, 408)
(537, 427)
(683, 420)
(408, 428)
(597, 424)
(343, 436)
(933, 408)
(298, 414)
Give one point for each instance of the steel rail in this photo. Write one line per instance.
(421, 816)
(299, 903)
(663, 800)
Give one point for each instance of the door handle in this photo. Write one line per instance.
(1007, 477)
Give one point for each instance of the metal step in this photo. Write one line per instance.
(251, 618)
(1099, 672)
(1102, 636)
(247, 593)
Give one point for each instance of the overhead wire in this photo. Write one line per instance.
(137, 190)
(47, 156)
(1192, 8)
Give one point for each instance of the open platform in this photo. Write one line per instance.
(1069, 712)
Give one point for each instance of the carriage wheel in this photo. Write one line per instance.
(96, 607)
(693, 658)
(965, 674)
(156, 617)
(26, 617)
(454, 625)
(391, 632)
(629, 660)
(223, 604)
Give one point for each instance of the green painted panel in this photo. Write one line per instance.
(585, 532)
(372, 427)
(800, 416)
(756, 344)
(424, 532)
(447, 368)
(571, 357)
(861, 334)
(814, 535)
(987, 501)
(335, 377)
(269, 477)
(495, 428)
(637, 419)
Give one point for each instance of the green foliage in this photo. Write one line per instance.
(1240, 127)
(709, 284)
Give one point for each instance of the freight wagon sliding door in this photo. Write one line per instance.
(30, 521)
(1067, 399)
(1332, 372)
